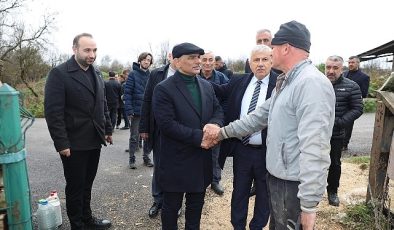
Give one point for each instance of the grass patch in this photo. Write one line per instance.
(362, 216)
(359, 217)
(357, 160)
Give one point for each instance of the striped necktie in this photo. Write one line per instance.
(252, 106)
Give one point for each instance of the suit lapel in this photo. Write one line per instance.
(203, 92)
(73, 68)
(242, 88)
(99, 88)
(271, 84)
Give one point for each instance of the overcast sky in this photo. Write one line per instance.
(124, 28)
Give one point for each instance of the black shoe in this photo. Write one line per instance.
(217, 188)
(117, 127)
(252, 191)
(124, 128)
(148, 163)
(95, 223)
(132, 165)
(154, 210)
(333, 199)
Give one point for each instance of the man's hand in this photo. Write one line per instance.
(108, 138)
(308, 220)
(130, 117)
(65, 152)
(211, 136)
(144, 136)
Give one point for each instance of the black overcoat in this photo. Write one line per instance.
(76, 114)
(184, 165)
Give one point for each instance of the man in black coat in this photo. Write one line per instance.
(222, 67)
(78, 121)
(348, 107)
(150, 132)
(249, 155)
(355, 74)
(113, 92)
(182, 106)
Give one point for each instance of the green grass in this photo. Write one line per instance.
(362, 216)
(357, 160)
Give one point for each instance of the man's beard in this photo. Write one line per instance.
(82, 62)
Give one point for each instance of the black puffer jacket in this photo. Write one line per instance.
(348, 105)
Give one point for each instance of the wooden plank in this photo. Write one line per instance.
(390, 167)
(388, 99)
(375, 149)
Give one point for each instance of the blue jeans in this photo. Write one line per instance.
(284, 203)
(133, 141)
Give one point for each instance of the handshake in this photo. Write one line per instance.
(211, 136)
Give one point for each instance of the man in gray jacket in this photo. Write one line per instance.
(300, 117)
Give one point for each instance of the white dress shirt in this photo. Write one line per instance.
(255, 138)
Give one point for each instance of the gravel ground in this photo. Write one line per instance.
(122, 194)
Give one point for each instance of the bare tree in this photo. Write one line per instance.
(14, 35)
(164, 50)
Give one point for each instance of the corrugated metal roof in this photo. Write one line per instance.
(380, 51)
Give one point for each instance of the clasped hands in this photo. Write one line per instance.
(211, 136)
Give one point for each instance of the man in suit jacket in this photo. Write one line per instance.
(182, 106)
(249, 156)
(149, 131)
(355, 74)
(78, 121)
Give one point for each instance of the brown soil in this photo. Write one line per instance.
(353, 189)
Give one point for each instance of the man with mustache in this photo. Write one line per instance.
(242, 93)
(348, 107)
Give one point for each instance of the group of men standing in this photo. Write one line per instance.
(285, 132)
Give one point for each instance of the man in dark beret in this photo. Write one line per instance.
(182, 106)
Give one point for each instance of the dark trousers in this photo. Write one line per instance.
(348, 134)
(122, 114)
(284, 203)
(172, 202)
(80, 170)
(217, 171)
(112, 115)
(134, 139)
(249, 165)
(157, 192)
(334, 173)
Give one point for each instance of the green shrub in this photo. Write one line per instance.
(369, 105)
(33, 104)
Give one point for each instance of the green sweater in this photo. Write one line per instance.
(192, 86)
